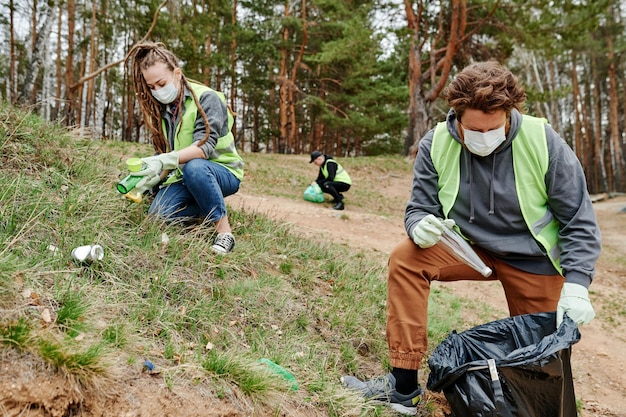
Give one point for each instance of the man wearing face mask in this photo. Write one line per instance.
(515, 190)
(196, 163)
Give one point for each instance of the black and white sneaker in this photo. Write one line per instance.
(224, 243)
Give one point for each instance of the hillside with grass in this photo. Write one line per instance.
(161, 325)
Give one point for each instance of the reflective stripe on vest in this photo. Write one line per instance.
(340, 176)
(530, 165)
(225, 152)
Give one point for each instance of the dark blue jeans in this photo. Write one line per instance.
(199, 196)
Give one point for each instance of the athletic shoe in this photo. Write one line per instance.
(383, 389)
(224, 243)
(335, 201)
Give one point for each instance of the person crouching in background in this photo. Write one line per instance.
(332, 178)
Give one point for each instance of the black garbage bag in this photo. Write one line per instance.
(514, 367)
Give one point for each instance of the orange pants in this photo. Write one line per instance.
(411, 269)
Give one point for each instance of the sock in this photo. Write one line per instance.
(406, 380)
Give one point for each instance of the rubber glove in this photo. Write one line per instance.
(154, 165)
(157, 163)
(428, 231)
(575, 302)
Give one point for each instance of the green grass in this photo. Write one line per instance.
(303, 304)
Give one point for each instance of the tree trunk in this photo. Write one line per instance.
(274, 121)
(617, 159)
(207, 68)
(33, 44)
(59, 71)
(600, 141)
(128, 107)
(554, 101)
(421, 101)
(26, 96)
(581, 135)
(284, 105)
(90, 103)
(591, 158)
(233, 70)
(417, 113)
(293, 132)
(82, 69)
(12, 96)
(70, 105)
(256, 124)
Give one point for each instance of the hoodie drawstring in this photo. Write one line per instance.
(471, 186)
(491, 198)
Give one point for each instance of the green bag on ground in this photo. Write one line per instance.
(314, 194)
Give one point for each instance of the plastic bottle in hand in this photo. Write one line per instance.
(127, 185)
(462, 250)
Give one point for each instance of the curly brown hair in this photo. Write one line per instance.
(486, 86)
(141, 57)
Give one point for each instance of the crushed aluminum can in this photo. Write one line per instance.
(88, 253)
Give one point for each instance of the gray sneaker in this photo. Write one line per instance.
(383, 389)
(224, 243)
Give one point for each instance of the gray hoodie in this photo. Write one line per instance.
(216, 113)
(487, 209)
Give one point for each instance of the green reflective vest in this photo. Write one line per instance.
(530, 165)
(340, 176)
(225, 152)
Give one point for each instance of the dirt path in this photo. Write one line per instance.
(599, 359)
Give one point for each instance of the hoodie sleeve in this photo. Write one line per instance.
(568, 198)
(424, 197)
(320, 178)
(217, 115)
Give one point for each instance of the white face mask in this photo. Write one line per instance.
(166, 94)
(483, 144)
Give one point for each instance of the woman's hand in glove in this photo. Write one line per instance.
(153, 166)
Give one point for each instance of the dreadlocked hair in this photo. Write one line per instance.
(141, 57)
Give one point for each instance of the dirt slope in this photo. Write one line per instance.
(599, 359)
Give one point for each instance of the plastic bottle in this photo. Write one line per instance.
(280, 371)
(126, 185)
(462, 250)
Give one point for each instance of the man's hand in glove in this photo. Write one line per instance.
(428, 231)
(575, 303)
(154, 165)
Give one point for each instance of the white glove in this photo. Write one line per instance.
(575, 302)
(428, 231)
(145, 184)
(153, 166)
(157, 163)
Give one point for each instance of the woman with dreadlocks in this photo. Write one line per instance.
(196, 162)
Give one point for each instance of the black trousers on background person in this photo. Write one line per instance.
(335, 189)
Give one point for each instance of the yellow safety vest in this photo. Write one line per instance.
(225, 152)
(530, 165)
(340, 176)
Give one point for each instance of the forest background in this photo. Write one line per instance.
(351, 78)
